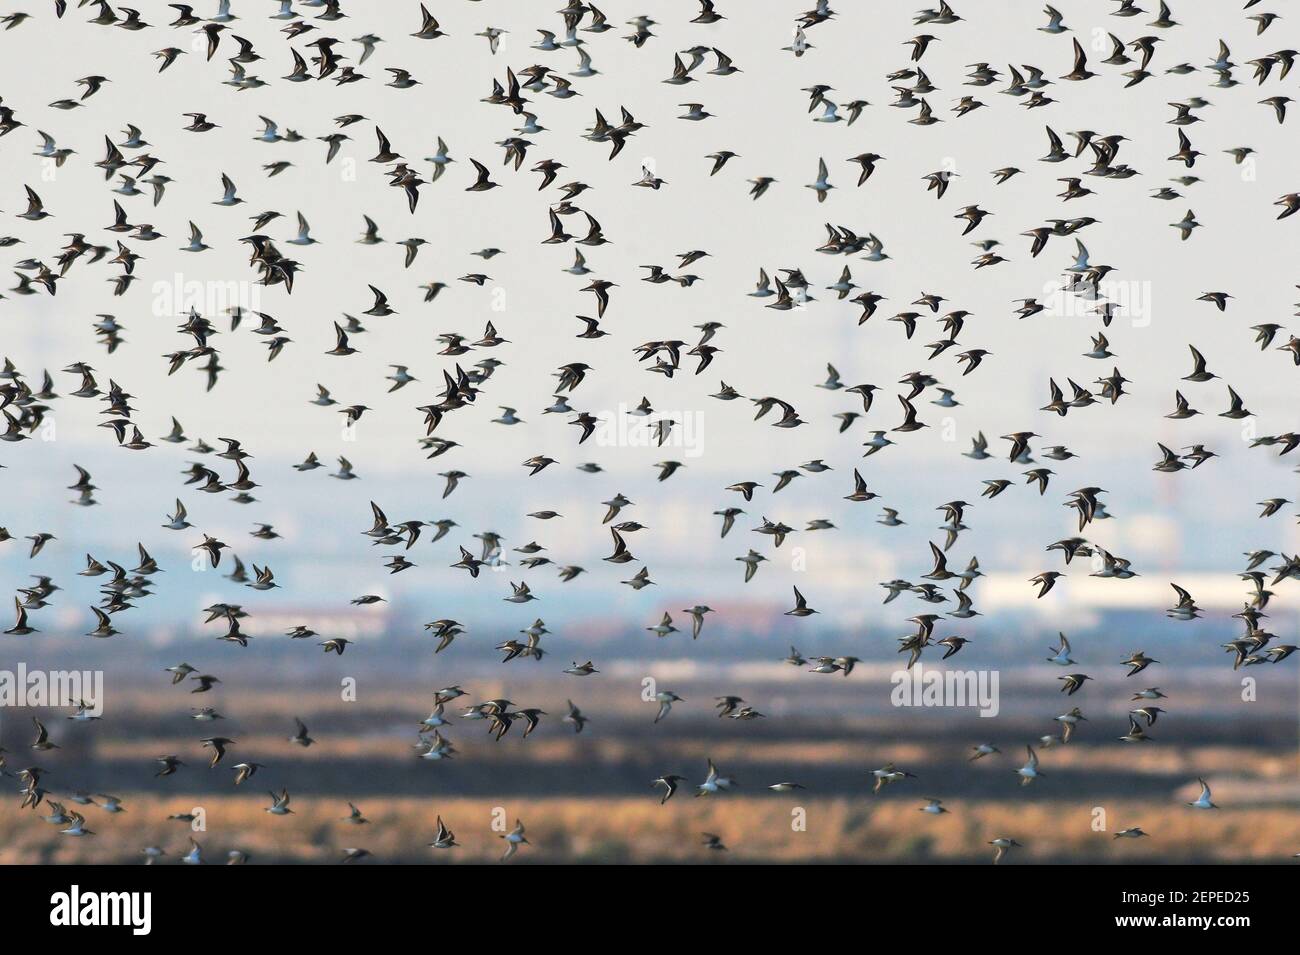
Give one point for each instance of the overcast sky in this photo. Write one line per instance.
(1166, 523)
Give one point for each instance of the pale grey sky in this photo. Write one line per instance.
(761, 114)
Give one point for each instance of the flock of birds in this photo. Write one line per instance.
(319, 45)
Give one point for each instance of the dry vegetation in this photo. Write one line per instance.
(889, 829)
(589, 798)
